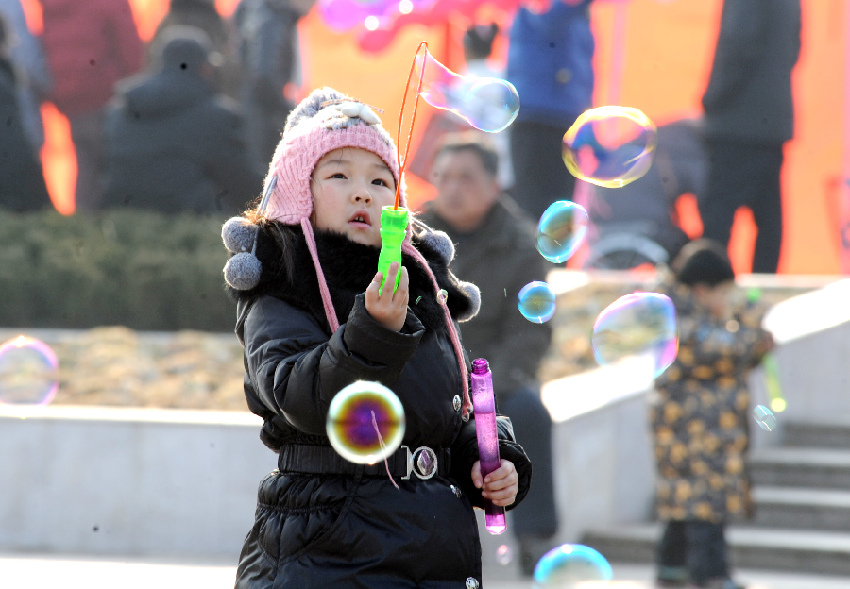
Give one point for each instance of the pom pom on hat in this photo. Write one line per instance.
(474, 294)
(238, 234)
(440, 242)
(243, 271)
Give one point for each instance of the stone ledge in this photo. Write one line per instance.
(194, 370)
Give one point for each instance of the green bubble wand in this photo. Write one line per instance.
(395, 219)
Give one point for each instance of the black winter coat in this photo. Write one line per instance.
(22, 185)
(358, 531)
(506, 241)
(748, 98)
(175, 145)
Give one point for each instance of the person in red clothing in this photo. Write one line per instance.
(90, 45)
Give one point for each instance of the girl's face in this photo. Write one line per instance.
(350, 186)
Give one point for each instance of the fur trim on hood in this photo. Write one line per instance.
(348, 269)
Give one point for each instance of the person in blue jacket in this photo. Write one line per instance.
(550, 63)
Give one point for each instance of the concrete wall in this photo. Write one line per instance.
(150, 482)
(119, 481)
(124, 481)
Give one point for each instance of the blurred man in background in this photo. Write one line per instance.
(496, 251)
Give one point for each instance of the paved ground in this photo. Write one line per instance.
(38, 571)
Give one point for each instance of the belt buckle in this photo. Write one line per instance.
(422, 462)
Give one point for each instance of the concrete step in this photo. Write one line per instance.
(826, 553)
(823, 468)
(802, 508)
(828, 432)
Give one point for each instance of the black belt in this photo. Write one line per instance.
(422, 462)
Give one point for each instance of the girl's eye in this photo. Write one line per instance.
(380, 182)
(338, 175)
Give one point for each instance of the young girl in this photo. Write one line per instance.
(701, 420)
(313, 323)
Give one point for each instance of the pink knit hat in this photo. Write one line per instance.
(324, 121)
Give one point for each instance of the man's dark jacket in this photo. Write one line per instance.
(22, 185)
(176, 145)
(748, 98)
(500, 257)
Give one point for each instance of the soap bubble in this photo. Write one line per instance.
(610, 146)
(504, 555)
(764, 418)
(571, 563)
(29, 372)
(489, 104)
(537, 302)
(442, 296)
(365, 422)
(561, 230)
(637, 324)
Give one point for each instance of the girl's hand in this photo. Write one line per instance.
(500, 486)
(390, 308)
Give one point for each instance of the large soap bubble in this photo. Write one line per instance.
(637, 324)
(537, 302)
(489, 104)
(561, 230)
(610, 146)
(29, 372)
(570, 564)
(365, 422)
(764, 418)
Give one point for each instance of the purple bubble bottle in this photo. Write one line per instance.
(484, 405)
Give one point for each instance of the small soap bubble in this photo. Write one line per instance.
(365, 422)
(537, 302)
(489, 104)
(610, 146)
(442, 296)
(571, 563)
(637, 324)
(764, 418)
(29, 372)
(504, 555)
(561, 230)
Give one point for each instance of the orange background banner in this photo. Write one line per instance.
(654, 55)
